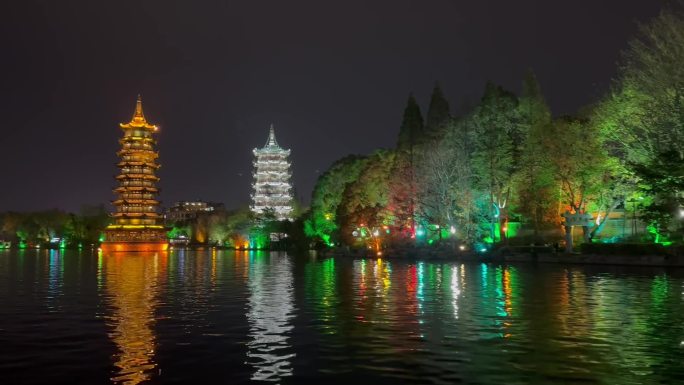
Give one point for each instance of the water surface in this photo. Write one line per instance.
(251, 317)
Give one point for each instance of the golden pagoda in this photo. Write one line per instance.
(136, 221)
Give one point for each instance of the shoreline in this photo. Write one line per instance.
(648, 260)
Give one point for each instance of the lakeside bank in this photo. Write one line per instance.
(531, 254)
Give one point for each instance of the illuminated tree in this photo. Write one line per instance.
(496, 131)
(327, 195)
(411, 126)
(579, 165)
(444, 179)
(642, 118)
(438, 117)
(536, 190)
(365, 199)
(436, 166)
(663, 179)
(402, 185)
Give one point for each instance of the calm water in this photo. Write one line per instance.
(226, 317)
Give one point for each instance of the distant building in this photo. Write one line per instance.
(187, 210)
(272, 188)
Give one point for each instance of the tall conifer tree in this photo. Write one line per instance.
(402, 183)
(438, 115)
(536, 187)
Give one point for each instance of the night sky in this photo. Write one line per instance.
(332, 76)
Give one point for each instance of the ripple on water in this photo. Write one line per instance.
(253, 317)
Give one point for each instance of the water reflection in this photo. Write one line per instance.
(258, 317)
(270, 313)
(456, 279)
(321, 290)
(131, 288)
(55, 275)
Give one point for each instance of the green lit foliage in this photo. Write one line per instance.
(507, 161)
(642, 118)
(226, 228)
(263, 226)
(86, 227)
(663, 180)
(37, 228)
(439, 165)
(497, 136)
(321, 224)
(536, 190)
(444, 179)
(579, 164)
(365, 199)
(296, 237)
(179, 231)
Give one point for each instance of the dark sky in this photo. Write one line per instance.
(333, 76)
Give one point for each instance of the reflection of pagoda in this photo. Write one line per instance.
(131, 288)
(270, 311)
(272, 179)
(136, 226)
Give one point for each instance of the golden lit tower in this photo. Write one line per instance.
(136, 221)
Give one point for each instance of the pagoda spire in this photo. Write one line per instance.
(138, 116)
(271, 137)
(138, 119)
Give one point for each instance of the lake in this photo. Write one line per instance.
(209, 316)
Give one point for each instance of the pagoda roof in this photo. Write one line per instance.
(138, 120)
(271, 144)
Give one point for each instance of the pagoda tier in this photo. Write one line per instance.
(272, 188)
(136, 224)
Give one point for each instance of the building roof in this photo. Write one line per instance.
(271, 144)
(138, 120)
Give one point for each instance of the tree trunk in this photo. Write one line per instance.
(503, 220)
(568, 239)
(597, 229)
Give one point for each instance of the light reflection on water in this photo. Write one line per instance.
(131, 289)
(270, 309)
(207, 316)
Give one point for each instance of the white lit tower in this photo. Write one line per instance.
(272, 188)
